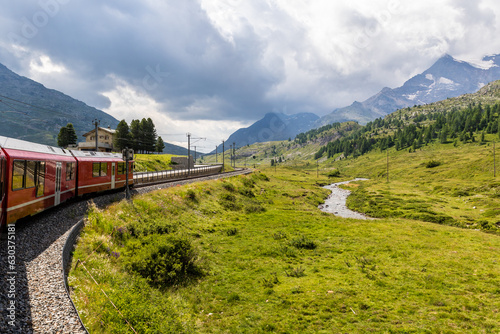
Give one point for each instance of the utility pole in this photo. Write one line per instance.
(231, 155)
(387, 165)
(222, 155)
(234, 154)
(215, 153)
(494, 161)
(194, 153)
(189, 152)
(96, 122)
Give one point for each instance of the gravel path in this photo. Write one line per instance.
(336, 202)
(32, 294)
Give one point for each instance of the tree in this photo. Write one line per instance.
(67, 136)
(72, 137)
(160, 145)
(122, 136)
(62, 137)
(135, 135)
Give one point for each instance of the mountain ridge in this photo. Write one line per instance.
(447, 77)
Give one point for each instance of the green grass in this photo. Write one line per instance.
(267, 260)
(152, 162)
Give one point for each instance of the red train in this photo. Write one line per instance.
(35, 177)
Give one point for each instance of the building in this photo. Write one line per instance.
(104, 140)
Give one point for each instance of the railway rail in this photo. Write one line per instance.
(40, 301)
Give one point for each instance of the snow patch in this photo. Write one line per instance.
(429, 77)
(446, 81)
(411, 96)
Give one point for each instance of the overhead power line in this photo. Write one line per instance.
(11, 100)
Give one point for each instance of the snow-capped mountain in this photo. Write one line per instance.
(448, 77)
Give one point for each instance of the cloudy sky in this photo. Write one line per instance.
(209, 67)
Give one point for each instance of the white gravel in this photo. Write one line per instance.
(336, 202)
(35, 283)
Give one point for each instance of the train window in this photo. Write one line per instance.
(96, 169)
(99, 169)
(30, 174)
(70, 171)
(40, 178)
(121, 168)
(104, 168)
(18, 174)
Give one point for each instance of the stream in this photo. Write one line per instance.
(336, 202)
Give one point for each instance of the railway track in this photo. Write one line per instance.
(40, 303)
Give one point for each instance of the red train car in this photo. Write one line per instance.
(101, 171)
(3, 176)
(35, 177)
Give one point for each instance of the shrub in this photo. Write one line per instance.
(247, 192)
(191, 195)
(334, 173)
(231, 231)
(303, 242)
(228, 186)
(432, 164)
(295, 272)
(164, 260)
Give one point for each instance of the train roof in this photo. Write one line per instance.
(23, 145)
(92, 154)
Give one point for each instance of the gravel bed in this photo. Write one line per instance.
(336, 202)
(33, 298)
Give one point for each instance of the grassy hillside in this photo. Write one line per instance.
(254, 254)
(152, 162)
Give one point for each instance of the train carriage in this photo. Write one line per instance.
(3, 175)
(101, 171)
(36, 177)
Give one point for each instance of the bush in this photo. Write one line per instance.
(432, 164)
(334, 173)
(164, 260)
(303, 242)
(228, 186)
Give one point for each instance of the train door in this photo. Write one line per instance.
(57, 199)
(113, 173)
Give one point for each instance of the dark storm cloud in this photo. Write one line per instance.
(171, 51)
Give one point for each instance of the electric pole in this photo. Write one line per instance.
(96, 122)
(223, 155)
(189, 152)
(387, 165)
(234, 154)
(494, 161)
(215, 153)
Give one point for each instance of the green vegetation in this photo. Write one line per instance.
(254, 254)
(152, 162)
(218, 260)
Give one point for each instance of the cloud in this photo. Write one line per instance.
(232, 61)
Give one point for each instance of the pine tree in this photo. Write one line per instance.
(72, 137)
(160, 145)
(135, 135)
(122, 136)
(63, 137)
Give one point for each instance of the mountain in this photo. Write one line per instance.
(32, 112)
(274, 126)
(448, 77)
